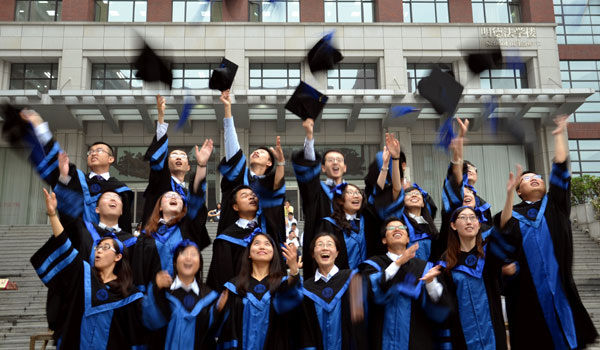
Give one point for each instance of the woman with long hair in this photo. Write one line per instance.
(261, 297)
(472, 273)
(103, 306)
(187, 305)
(326, 321)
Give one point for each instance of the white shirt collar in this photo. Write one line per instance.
(418, 219)
(116, 228)
(350, 216)
(530, 202)
(393, 256)
(243, 223)
(331, 273)
(106, 175)
(331, 182)
(162, 221)
(258, 176)
(180, 183)
(178, 284)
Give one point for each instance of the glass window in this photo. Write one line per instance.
(115, 77)
(496, 11)
(425, 11)
(192, 75)
(274, 11)
(197, 11)
(348, 11)
(578, 21)
(34, 76)
(120, 11)
(418, 71)
(38, 11)
(510, 76)
(585, 157)
(350, 76)
(583, 74)
(274, 75)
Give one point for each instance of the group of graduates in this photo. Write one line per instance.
(377, 272)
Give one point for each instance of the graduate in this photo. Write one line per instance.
(542, 303)
(103, 306)
(326, 314)
(472, 274)
(261, 298)
(173, 220)
(231, 243)
(316, 195)
(406, 299)
(264, 174)
(191, 309)
(80, 188)
(168, 170)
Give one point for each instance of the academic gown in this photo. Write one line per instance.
(192, 319)
(401, 315)
(326, 322)
(83, 236)
(81, 189)
(260, 319)
(160, 180)
(452, 198)
(316, 201)
(228, 248)
(543, 306)
(353, 245)
(97, 316)
(476, 321)
(235, 173)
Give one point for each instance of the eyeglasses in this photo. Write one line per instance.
(335, 160)
(466, 218)
(325, 245)
(394, 228)
(171, 195)
(354, 194)
(110, 197)
(530, 177)
(105, 246)
(178, 155)
(414, 193)
(98, 150)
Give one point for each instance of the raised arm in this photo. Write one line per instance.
(384, 168)
(457, 151)
(202, 156)
(280, 165)
(309, 141)
(232, 145)
(161, 126)
(393, 145)
(511, 185)
(51, 203)
(560, 141)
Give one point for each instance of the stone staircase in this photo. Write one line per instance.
(22, 312)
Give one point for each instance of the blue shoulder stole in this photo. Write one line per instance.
(182, 325)
(356, 245)
(255, 321)
(96, 236)
(539, 251)
(166, 239)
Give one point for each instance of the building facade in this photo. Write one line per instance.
(71, 61)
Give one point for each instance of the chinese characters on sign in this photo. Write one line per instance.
(508, 36)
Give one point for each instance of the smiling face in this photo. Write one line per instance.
(99, 155)
(245, 201)
(413, 199)
(325, 252)
(178, 161)
(188, 262)
(261, 157)
(171, 204)
(468, 198)
(531, 185)
(105, 255)
(334, 167)
(471, 174)
(352, 199)
(466, 224)
(109, 204)
(396, 234)
(261, 249)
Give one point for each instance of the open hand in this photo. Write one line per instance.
(51, 202)
(463, 127)
(408, 254)
(561, 124)
(513, 181)
(290, 253)
(431, 274)
(278, 151)
(31, 116)
(63, 164)
(203, 154)
(163, 279)
(392, 144)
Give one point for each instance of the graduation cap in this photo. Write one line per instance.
(323, 55)
(306, 102)
(441, 90)
(222, 77)
(14, 128)
(398, 111)
(478, 62)
(152, 68)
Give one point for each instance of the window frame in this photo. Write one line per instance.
(522, 67)
(292, 82)
(98, 13)
(340, 77)
(260, 11)
(562, 15)
(337, 10)
(425, 66)
(435, 3)
(215, 16)
(578, 163)
(188, 66)
(52, 80)
(104, 78)
(566, 68)
(509, 4)
(57, 10)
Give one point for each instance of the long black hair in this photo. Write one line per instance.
(178, 250)
(122, 269)
(276, 272)
(339, 215)
(432, 230)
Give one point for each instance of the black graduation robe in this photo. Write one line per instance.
(235, 173)
(260, 319)
(353, 245)
(331, 326)
(228, 248)
(97, 316)
(81, 189)
(475, 285)
(543, 306)
(401, 315)
(192, 319)
(159, 180)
